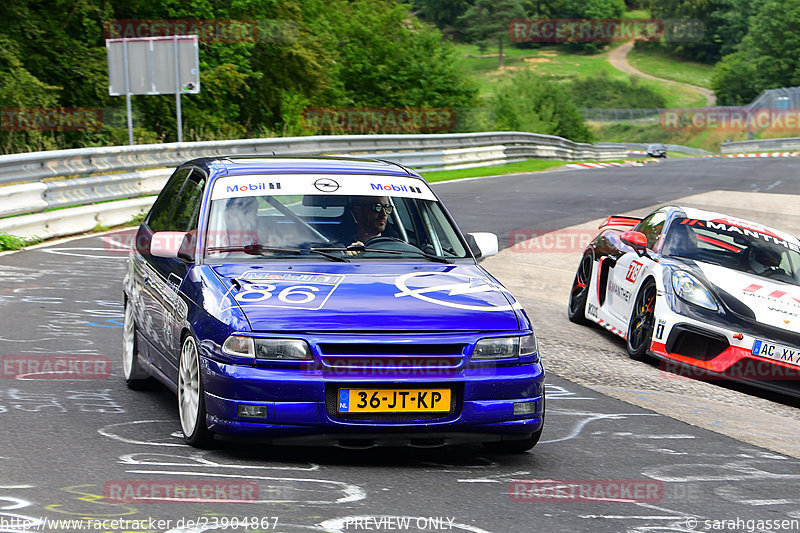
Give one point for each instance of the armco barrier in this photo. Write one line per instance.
(643, 147)
(766, 145)
(65, 178)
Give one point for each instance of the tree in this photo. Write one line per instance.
(531, 103)
(442, 13)
(488, 20)
(765, 59)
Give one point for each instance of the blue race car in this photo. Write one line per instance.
(326, 301)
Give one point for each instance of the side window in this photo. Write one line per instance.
(652, 227)
(159, 213)
(186, 211)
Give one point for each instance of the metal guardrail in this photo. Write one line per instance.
(670, 148)
(90, 175)
(766, 145)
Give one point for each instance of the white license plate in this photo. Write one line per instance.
(777, 352)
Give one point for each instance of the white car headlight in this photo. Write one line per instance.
(268, 349)
(505, 347)
(689, 288)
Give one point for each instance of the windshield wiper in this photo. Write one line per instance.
(361, 248)
(260, 249)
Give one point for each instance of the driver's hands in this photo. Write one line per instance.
(354, 252)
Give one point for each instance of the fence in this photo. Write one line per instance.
(766, 145)
(40, 181)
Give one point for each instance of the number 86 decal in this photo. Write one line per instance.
(296, 294)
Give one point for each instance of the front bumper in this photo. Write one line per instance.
(299, 407)
(713, 349)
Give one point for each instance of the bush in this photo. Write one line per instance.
(531, 103)
(601, 91)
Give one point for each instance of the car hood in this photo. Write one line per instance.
(369, 297)
(773, 303)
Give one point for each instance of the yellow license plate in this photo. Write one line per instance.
(394, 400)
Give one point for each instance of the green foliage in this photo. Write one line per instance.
(724, 24)
(386, 59)
(765, 59)
(735, 80)
(487, 21)
(443, 13)
(590, 9)
(603, 92)
(332, 53)
(531, 103)
(12, 242)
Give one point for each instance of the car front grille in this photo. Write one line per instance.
(391, 356)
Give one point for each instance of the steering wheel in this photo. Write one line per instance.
(778, 274)
(383, 239)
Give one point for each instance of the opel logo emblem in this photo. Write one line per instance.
(326, 185)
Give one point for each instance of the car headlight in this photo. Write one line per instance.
(268, 349)
(506, 347)
(689, 288)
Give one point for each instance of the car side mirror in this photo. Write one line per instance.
(179, 244)
(483, 244)
(636, 240)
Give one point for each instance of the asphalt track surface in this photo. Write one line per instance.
(66, 443)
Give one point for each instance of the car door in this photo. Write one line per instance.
(150, 320)
(630, 269)
(167, 274)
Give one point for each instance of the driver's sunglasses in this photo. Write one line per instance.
(385, 207)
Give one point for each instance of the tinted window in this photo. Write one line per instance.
(652, 227)
(187, 208)
(158, 219)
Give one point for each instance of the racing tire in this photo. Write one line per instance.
(191, 396)
(136, 378)
(514, 446)
(576, 309)
(642, 323)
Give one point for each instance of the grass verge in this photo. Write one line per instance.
(531, 165)
(557, 64)
(12, 242)
(664, 66)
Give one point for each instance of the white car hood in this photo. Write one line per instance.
(773, 303)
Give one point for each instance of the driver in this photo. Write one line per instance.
(371, 214)
(764, 259)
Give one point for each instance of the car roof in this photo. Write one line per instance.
(244, 165)
(705, 215)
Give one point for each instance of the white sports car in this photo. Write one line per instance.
(701, 291)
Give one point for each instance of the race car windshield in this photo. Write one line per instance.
(352, 227)
(746, 249)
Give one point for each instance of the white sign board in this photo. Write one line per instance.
(155, 65)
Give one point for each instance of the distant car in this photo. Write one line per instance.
(656, 150)
(702, 291)
(249, 294)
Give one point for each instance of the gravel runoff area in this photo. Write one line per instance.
(595, 358)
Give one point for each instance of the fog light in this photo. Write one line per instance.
(524, 408)
(254, 411)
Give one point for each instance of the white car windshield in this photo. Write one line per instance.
(746, 248)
